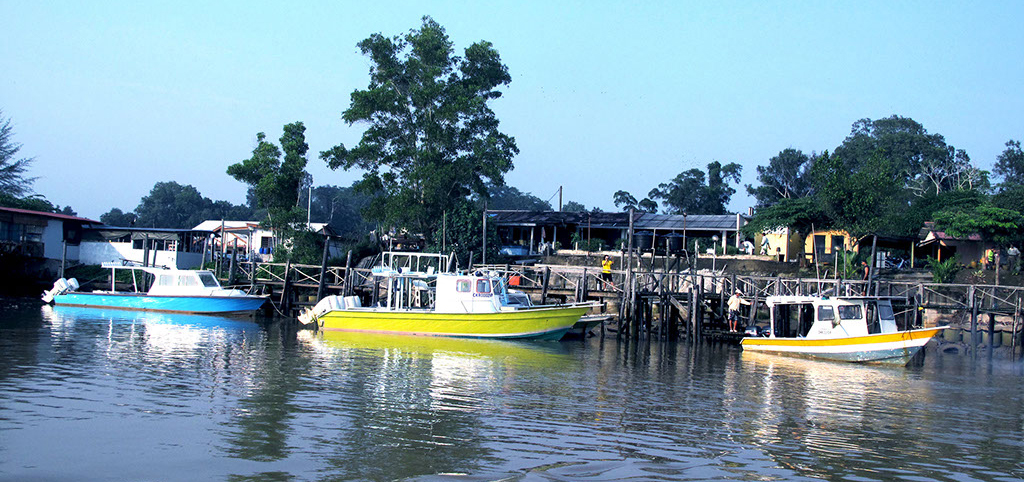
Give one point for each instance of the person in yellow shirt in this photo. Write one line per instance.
(606, 270)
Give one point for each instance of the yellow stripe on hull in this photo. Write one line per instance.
(544, 323)
(890, 347)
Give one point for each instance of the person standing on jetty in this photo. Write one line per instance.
(606, 271)
(734, 309)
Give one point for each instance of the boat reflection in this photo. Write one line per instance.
(837, 406)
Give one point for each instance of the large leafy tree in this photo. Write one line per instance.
(432, 139)
(508, 197)
(921, 161)
(172, 205)
(624, 201)
(13, 182)
(340, 208)
(785, 177)
(1010, 165)
(691, 192)
(276, 183)
(864, 200)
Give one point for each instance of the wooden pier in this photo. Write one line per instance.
(664, 298)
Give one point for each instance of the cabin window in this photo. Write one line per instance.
(849, 312)
(873, 324)
(791, 321)
(483, 286)
(885, 311)
(187, 280)
(462, 286)
(208, 280)
(826, 313)
(166, 280)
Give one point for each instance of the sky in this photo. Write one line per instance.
(110, 98)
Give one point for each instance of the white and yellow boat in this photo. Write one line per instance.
(854, 329)
(419, 300)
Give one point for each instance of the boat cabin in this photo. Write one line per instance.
(829, 317)
(168, 281)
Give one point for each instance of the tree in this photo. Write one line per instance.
(688, 192)
(170, 205)
(800, 214)
(998, 225)
(431, 137)
(624, 201)
(276, 183)
(510, 198)
(116, 217)
(13, 182)
(1010, 164)
(921, 161)
(340, 208)
(574, 207)
(864, 200)
(785, 177)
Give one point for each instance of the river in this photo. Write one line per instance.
(98, 395)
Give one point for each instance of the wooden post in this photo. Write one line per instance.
(145, 251)
(63, 257)
(871, 265)
(544, 286)
(234, 261)
(285, 299)
(321, 287)
(973, 345)
(206, 242)
(349, 277)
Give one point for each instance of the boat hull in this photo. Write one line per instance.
(166, 304)
(544, 323)
(892, 348)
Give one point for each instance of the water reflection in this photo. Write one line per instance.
(232, 399)
(422, 400)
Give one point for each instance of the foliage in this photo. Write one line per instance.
(13, 182)
(624, 201)
(689, 193)
(304, 247)
(1001, 226)
(116, 217)
(462, 235)
(276, 183)
(799, 214)
(1010, 164)
(340, 208)
(944, 271)
(172, 205)
(432, 139)
(589, 245)
(574, 207)
(785, 177)
(34, 202)
(862, 201)
(509, 198)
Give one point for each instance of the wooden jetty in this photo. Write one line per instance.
(665, 298)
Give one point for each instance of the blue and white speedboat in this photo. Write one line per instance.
(171, 291)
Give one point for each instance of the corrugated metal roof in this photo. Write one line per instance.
(641, 221)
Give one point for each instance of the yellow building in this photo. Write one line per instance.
(786, 244)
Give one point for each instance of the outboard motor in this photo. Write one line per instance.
(60, 287)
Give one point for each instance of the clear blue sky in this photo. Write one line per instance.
(112, 97)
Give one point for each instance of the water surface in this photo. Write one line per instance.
(97, 395)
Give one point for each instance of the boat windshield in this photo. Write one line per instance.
(208, 280)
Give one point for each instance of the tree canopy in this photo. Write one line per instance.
(275, 183)
(431, 138)
(510, 198)
(172, 205)
(13, 181)
(691, 192)
(785, 177)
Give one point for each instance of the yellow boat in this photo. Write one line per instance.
(422, 301)
(855, 329)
